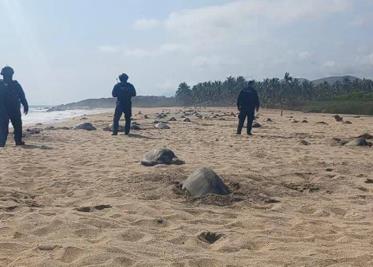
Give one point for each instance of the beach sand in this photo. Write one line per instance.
(82, 198)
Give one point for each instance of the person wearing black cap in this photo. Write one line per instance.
(11, 98)
(123, 91)
(247, 103)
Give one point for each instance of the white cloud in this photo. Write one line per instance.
(304, 55)
(109, 49)
(146, 24)
(137, 52)
(363, 20)
(241, 19)
(167, 85)
(206, 61)
(329, 64)
(255, 38)
(173, 47)
(236, 23)
(370, 59)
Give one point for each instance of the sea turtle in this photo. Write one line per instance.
(162, 125)
(338, 118)
(161, 116)
(305, 142)
(110, 128)
(204, 181)
(186, 120)
(172, 119)
(135, 126)
(358, 142)
(85, 126)
(256, 124)
(161, 156)
(366, 136)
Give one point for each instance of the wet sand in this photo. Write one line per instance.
(81, 198)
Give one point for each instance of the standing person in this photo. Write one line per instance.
(11, 98)
(123, 91)
(247, 103)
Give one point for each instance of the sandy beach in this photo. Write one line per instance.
(82, 198)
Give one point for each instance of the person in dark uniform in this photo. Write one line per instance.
(11, 98)
(123, 91)
(247, 103)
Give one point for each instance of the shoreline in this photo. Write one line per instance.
(49, 118)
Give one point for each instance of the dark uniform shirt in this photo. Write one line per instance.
(248, 100)
(124, 92)
(2, 98)
(11, 96)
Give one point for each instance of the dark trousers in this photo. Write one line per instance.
(16, 120)
(250, 115)
(119, 110)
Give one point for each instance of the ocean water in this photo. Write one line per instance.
(40, 115)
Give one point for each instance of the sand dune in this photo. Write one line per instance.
(81, 198)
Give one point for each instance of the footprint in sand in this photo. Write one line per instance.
(92, 209)
(122, 261)
(209, 237)
(131, 236)
(71, 254)
(52, 227)
(88, 233)
(205, 262)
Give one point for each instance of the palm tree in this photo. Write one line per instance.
(184, 94)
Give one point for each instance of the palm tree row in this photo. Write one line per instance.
(286, 92)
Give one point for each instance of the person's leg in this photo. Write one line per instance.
(127, 126)
(241, 121)
(4, 129)
(16, 120)
(250, 120)
(117, 114)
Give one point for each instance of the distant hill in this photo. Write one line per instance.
(333, 79)
(300, 79)
(139, 101)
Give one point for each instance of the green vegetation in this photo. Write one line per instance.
(346, 96)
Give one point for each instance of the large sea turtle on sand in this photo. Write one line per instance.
(85, 126)
(135, 126)
(161, 156)
(204, 181)
(358, 142)
(162, 125)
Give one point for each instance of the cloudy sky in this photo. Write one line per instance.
(67, 50)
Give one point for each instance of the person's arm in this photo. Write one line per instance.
(257, 102)
(114, 93)
(239, 101)
(22, 98)
(133, 91)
